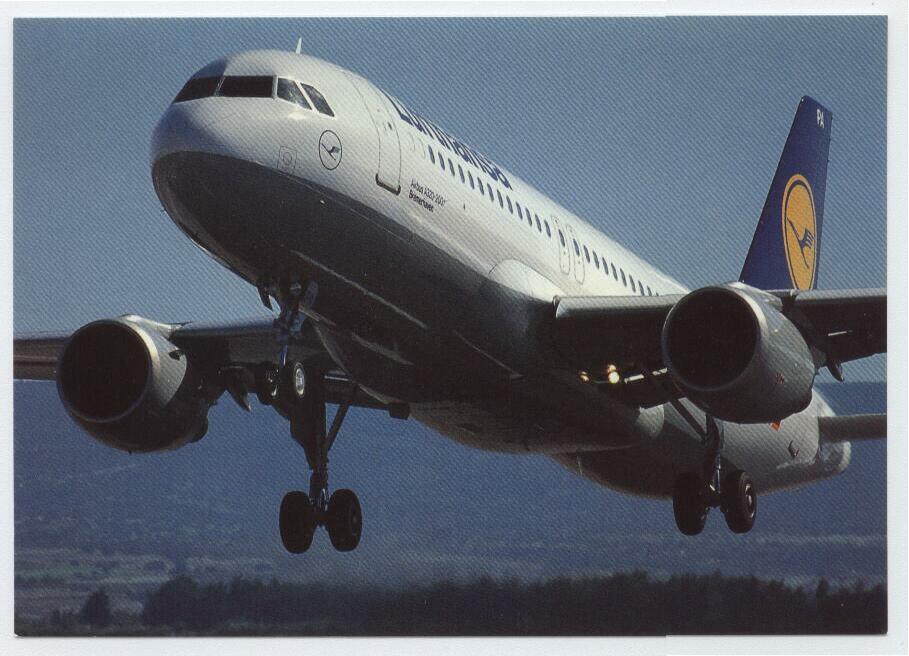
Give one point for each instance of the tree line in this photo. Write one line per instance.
(630, 604)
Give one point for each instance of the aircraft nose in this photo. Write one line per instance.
(187, 128)
(167, 136)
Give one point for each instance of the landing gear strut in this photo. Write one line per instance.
(301, 512)
(300, 389)
(693, 494)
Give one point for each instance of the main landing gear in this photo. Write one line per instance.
(299, 389)
(301, 512)
(693, 494)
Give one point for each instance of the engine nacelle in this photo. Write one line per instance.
(130, 388)
(736, 356)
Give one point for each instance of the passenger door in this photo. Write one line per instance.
(388, 173)
(577, 255)
(562, 243)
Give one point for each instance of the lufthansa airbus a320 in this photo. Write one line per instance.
(411, 274)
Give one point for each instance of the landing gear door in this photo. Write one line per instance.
(577, 255)
(388, 173)
(562, 243)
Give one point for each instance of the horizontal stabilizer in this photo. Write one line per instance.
(852, 428)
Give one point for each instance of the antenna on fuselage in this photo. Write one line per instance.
(299, 47)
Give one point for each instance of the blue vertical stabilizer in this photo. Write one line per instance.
(785, 249)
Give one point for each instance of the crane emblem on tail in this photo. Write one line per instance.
(799, 227)
(805, 241)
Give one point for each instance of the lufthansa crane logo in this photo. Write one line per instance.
(330, 150)
(800, 231)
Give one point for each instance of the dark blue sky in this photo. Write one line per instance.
(663, 132)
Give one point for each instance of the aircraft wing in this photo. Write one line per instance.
(852, 428)
(593, 332)
(239, 344)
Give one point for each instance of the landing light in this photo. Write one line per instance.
(584, 376)
(613, 375)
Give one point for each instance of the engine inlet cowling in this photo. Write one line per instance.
(129, 387)
(736, 356)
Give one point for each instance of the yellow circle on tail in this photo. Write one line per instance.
(800, 231)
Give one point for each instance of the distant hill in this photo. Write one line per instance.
(433, 509)
(630, 604)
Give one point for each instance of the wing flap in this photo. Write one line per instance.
(846, 325)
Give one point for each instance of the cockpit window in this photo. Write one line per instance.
(289, 91)
(200, 87)
(246, 86)
(318, 100)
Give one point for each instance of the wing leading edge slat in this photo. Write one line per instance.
(245, 342)
(593, 332)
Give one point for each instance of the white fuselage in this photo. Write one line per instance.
(431, 194)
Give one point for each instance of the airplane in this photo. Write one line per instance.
(413, 275)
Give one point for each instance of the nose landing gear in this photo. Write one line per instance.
(300, 390)
(301, 513)
(693, 495)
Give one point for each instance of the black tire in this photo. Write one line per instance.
(688, 504)
(297, 521)
(294, 383)
(739, 502)
(268, 383)
(345, 520)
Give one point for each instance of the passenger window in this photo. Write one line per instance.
(499, 195)
(480, 187)
(586, 253)
(546, 223)
(442, 162)
(508, 198)
(518, 206)
(561, 238)
(577, 250)
(631, 281)
(451, 167)
(200, 87)
(246, 86)
(539, 226)
(432, 157)
(461, 173)
(318, 100)
(624, 282)
(649, 292)
(614, 272)
(489, 189)
(596, 260)
(641, 288)
(470, 177)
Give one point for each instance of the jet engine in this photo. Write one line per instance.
(736, 355)
(130, 388)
